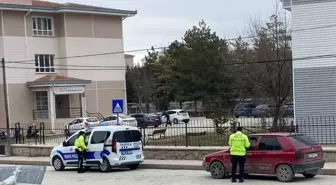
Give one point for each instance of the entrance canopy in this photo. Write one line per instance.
(57, 80)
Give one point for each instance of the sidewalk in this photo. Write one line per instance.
(329, 168)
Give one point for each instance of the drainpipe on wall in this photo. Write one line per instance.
(125, 90)
(3, 49)
(26, 40)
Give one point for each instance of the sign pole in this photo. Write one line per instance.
(117, 118)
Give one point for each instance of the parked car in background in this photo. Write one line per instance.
(280, 154)
(243, 109)
(144, 120)
(81, 123)
(123, 120)
(264, 110)
(287, 110)
(176, 116)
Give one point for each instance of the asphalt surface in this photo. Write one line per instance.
(162, 177)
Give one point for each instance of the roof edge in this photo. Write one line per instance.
(58, 82)
(61, 8)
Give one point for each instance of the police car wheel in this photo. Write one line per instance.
(134, 166)
(175, 121)
(105, 166)
(58, 164)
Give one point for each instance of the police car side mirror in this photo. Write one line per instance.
(64, 143)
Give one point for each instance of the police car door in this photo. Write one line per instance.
(68, 152)
(95, 146)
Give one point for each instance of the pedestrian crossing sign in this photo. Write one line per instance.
(117, 106)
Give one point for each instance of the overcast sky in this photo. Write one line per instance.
(159, 22)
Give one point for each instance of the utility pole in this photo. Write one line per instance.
(6, 104)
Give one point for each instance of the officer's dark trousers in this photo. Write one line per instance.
(237, 160)
(80, 155)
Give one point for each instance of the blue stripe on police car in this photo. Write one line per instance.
(89, 155)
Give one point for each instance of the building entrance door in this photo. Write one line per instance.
(62, 106)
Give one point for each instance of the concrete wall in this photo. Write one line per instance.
(157, 153)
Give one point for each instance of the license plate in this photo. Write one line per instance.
(312, 155)
(126, 152)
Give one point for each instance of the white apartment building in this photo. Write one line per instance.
(46, 45)
(314, 66)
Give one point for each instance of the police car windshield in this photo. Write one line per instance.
(127, 136)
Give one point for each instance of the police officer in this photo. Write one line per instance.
(238, 143)
(80, 150)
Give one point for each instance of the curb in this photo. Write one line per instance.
(147, 166)
(142, 166)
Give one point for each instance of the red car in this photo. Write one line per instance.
(280, 154)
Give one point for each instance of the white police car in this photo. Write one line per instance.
(108, 146)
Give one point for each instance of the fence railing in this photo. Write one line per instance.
(194, 133)
(60, 113)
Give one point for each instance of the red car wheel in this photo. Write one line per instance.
(217, 170)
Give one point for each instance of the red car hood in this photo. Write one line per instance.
(219, 153)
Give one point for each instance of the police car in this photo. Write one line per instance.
(108, 146)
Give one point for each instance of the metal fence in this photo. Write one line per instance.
(203, 132)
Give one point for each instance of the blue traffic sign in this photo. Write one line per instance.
(117, 106)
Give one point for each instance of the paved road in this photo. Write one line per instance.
(162, 177)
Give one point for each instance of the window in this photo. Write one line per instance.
(171, 112)
(99, 137)
(42, 26)
(240, 106)
(261, 106)
(107, 119)
(183, 111)
(41, 100)
(127, 136)
(92, 120)
(269, 143)
(74, 122)
(44, 63)
(124, 117)
(302, 141)
(253, 140)
(251, 106)
(87, 137)
(71, 141)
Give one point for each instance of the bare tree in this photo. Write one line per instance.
(272, 74)
(142, 81)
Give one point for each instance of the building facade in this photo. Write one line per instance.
(314, 66)
(129, 60)
(49, 48)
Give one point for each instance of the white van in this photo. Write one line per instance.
(108, 146)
